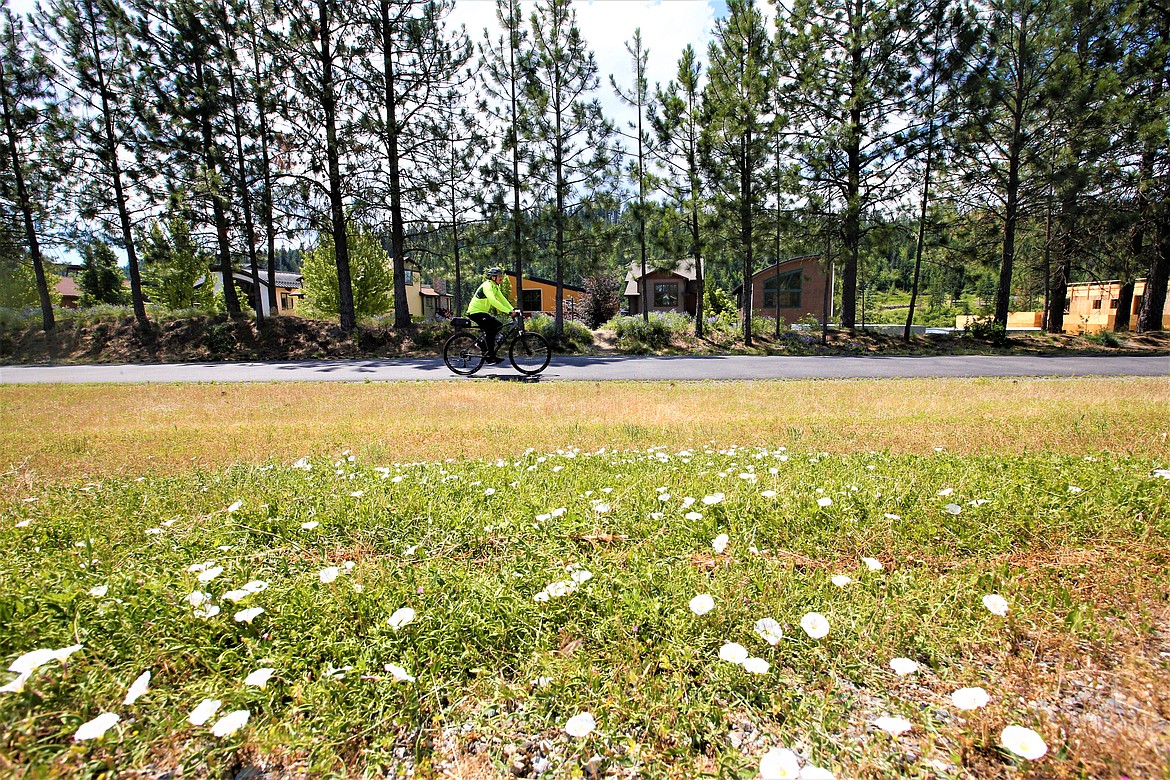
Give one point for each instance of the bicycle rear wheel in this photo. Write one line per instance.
(462, 353)
(529, 353)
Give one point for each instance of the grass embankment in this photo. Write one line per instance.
(1043, 492)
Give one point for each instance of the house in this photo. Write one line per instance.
(67, 286)
(540, 295)
(791, 290)
(671, 284)
(288, 288)
(434, 299)
(1090, 307)
(421, 300)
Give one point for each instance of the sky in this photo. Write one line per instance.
(606, 25)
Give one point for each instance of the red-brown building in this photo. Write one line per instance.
(791, 289)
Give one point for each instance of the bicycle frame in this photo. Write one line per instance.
(463, 351)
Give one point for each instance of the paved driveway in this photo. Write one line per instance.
(602, 369)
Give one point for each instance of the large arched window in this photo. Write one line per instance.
(787, 287)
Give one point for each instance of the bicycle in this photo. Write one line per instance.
(464, 352)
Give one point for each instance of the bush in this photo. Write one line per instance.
(635, 334)
(601, 299)
(576, 337)
(987, 330)
(431, 333)
(1105, 338)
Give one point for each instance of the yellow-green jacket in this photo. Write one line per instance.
(489, 296)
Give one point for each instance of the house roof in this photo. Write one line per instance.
(430, 292)
(684, 267)
(285, 279)
(549, 282)
(67, 287)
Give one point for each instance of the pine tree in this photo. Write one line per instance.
(1083, 87)
(28, 111)
(94, 40)
(454, 158)
(174, 268)
(568, 132)
(420, 63)
(320, 127)
(189, 117)
(848, 66)
(946, 36)
(678, 127)
(100, 280)
(638, 97)
(1003, 132)
(1146, 69)
(736, 107)
(503, 65)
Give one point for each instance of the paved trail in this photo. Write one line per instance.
(602, 369)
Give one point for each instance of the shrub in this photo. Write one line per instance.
(638, 335)
(431, 333)
(601, 299)
(1105, 338)
(987, 330)
(576, 337)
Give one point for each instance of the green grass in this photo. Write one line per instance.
(1085, 573)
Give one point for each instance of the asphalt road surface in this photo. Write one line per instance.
(603, 368)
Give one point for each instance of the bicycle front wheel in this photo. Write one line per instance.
(462, 354)
(529, 353)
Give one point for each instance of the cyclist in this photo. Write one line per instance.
(489, 296)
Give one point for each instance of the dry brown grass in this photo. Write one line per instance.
(77, 432)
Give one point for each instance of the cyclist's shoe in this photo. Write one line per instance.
(493, 360)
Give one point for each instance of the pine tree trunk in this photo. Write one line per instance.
(245, 200)
(745, 233)
(30, 233)
(266, 167)
(397, 230)
(336, 206)
(116, 175)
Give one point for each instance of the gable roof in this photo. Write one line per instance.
(540, 280)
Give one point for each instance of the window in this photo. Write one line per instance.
(409, 277)
(532, 301)
(1096, 304)
(1113, 304)
(784, 290)
(665, 295)
(1137, 304)
(287, 302)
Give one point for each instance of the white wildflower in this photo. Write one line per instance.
(402, 617)
(137, 688)
(733, 652)
(769, 630)
(970, 698)
(815, 625)
(580, 725)
(204, 711)
(230, 723)
(702, 604)
(96, 727)
(1023, 742)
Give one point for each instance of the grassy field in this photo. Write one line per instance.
(450, 578)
